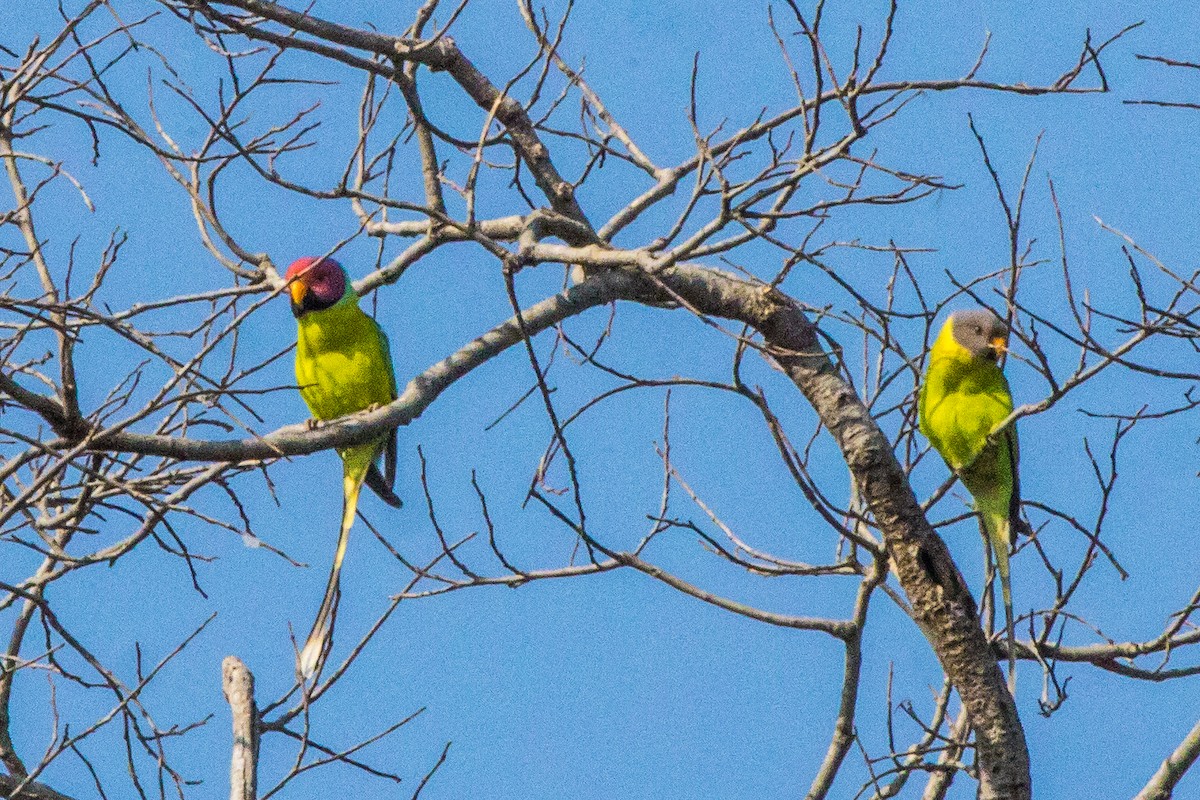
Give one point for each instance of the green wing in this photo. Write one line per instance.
(382, 484)
(1014, 501)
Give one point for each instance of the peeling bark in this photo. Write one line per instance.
(941, 602)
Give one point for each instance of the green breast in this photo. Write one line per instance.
(960, 404)
(342, 363)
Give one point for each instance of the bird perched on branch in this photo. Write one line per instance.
(343, 365)
(964, 396)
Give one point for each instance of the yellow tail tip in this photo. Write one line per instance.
(311, 658)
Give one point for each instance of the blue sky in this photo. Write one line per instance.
(614, 685)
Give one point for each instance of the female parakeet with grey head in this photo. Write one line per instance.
(343, 365)
(964, 396)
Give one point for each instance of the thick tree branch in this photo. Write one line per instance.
(1162, 784)
(29, 791)
(941, 603)
(238, 684)
(420, 392)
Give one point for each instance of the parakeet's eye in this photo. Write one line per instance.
(978, 331)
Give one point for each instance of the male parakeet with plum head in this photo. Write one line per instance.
(343, 365)
(964, 396)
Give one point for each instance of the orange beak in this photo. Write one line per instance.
(999, 348)
(297, 290)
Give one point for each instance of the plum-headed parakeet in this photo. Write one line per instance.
(343, 365)
(964, 396)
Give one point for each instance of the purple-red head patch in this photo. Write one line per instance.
(316, 283)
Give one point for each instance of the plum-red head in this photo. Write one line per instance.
(315, 284)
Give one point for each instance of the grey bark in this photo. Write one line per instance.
(238, 684)
(942, 605)
(1161, 785)
(30, 791)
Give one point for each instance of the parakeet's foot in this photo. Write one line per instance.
(312, 423)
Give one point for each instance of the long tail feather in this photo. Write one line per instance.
(390, 451)
(316, 647)
(382, 486)
(999, 536)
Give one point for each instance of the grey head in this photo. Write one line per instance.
(981, 332)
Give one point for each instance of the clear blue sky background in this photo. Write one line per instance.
(616, 686)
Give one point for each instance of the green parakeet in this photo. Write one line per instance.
(343, 365)
(964, 396)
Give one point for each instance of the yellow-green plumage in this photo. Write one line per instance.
(343, 365)
(342, 362)
(964, 396)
